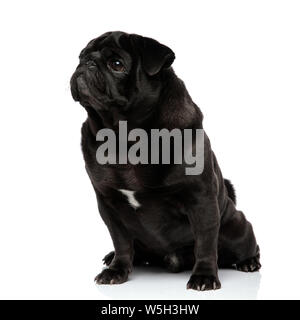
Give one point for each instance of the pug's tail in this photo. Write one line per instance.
(230, 190)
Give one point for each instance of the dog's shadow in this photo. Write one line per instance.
(152, 283)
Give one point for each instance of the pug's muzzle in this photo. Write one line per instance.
(87, 84)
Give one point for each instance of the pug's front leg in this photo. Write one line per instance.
(205, 221)
(121, 264)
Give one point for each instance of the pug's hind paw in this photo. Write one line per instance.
(249, 265)
(108, 258)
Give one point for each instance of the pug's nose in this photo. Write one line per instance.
(91, 64)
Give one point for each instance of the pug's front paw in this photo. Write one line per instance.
(201, 282)
(112, 276)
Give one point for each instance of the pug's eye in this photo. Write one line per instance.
(116, 65)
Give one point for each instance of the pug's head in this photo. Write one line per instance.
(120, 70)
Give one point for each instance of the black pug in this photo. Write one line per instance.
(155, 213)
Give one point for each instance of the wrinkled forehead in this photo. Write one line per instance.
(111, 40)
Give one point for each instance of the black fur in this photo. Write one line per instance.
(230, 190)
(183, 222)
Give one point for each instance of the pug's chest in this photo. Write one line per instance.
(108, 178)
(145, 210)
(116, 176)
(135, 178)
(155, 219)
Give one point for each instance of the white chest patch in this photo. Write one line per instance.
(130, 198)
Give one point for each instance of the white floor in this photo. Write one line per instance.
(151, 283)
(71, 277)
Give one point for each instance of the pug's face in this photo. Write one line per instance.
(120, 70)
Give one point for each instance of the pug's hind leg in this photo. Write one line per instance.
(237, 244)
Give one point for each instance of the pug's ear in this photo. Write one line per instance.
(155, 56)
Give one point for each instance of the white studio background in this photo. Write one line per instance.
(240, 62)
